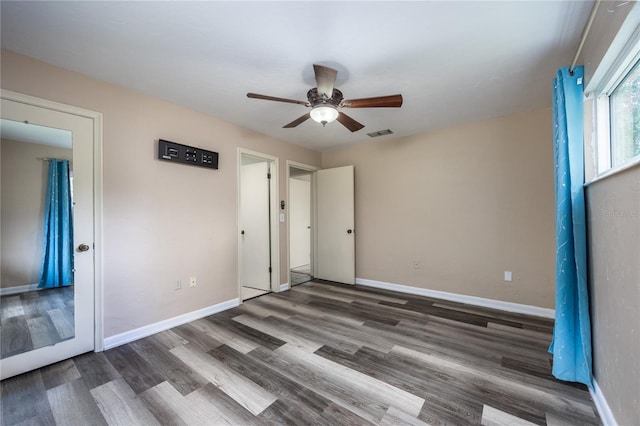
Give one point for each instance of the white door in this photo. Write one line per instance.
(335, 225)
(255, 225)
(300, 221)
(80, 324)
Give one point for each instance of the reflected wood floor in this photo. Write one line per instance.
(299, 275)
(35, 319)
(319, 354)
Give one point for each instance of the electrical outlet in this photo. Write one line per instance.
(416, 264)
(192, 282)
(508, 276)
(177, 285)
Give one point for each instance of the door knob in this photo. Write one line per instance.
(83, 247)
(349, 231)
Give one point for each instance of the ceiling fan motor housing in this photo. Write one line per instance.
(316, 99)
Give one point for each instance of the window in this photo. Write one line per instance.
(624, 110)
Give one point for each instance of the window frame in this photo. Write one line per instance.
(604, 142)
(614, 75)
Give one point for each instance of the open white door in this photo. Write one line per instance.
(255, 226)
(335, 225)
(75, 328)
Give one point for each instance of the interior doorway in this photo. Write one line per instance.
(301, 222)
(258, 226)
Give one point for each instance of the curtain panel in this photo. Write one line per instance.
(571, 344)
(57, 261)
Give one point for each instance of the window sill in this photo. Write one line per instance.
(615, 171)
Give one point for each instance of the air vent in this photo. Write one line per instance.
(380, 133)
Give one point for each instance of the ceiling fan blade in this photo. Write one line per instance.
(393, 101)
(349, 122)
(273, 98)
(297, 121)
(325, 79)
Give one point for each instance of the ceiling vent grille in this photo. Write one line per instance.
(380, 133)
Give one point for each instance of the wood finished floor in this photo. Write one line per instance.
(319, 354)
(35, 319)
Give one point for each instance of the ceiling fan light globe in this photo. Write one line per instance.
(324, 114)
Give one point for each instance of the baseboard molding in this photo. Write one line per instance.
(148, 330)
(606, 415)
(285, 287)
(18, 289)
(461, 298)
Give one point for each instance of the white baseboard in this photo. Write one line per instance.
(148, 330)
(461, 298)
(606, 415)
(285, 287)
(18, 289)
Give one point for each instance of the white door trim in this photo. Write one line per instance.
(96, 117)
(275, 228)
(312, 169)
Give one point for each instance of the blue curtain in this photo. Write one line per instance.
(571, 344)
(57, 260)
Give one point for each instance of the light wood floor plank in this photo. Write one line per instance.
(177, 373)
(308, 311)
(11, 307)
(43, 332)
(63, 323)
(245, 392)
(222, 407)
(396, 417)
(72, 404)
(494, 417)
(279, 333)
(354, 381)
(360, 293)
(225, 336)
(173, 408)
(120, 406)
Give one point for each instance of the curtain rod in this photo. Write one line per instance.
(51, 158)
(585, 33)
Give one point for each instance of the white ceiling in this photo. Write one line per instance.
(34, 133)
(452, 61)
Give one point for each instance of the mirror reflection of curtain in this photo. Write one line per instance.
(57, 263)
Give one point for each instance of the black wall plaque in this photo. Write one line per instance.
(178, 153)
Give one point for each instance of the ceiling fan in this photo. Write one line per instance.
(325, 100)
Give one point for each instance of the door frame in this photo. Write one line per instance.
(97, 119)
(273, 223)
(311, 170)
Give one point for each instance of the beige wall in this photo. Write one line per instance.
(467, 203)
(613, 212)
(24, 186)
(162, 221)
(614, 248)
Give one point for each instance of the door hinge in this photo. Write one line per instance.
(268, 175)
(269, 269)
